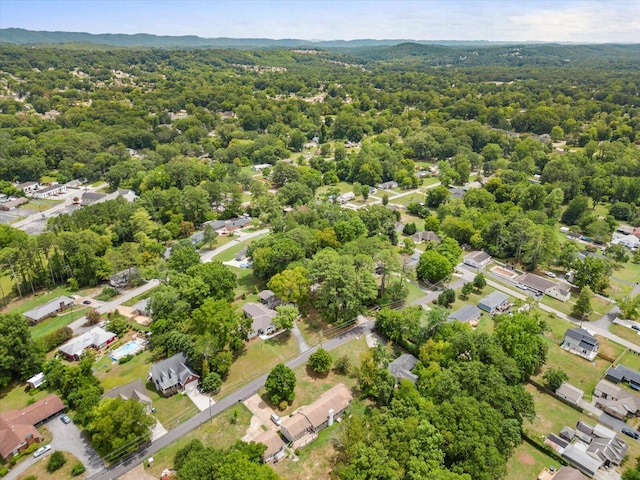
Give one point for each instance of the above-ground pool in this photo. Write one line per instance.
(129, 348)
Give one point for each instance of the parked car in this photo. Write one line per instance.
(521, 286)
(550, 274)
(41, 451)
(86, 302)
(276, 419)
(636, 327)
(631, 433)
(65, 419)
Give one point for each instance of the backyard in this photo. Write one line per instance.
(58, 321)
(526, 462)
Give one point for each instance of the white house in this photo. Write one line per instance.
(477, 260)
(50, 191)
(346, 197)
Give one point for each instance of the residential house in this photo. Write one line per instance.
(30, 187)
(123, 278)
(625, 229)
(563, 473)
(14, 202)
(37, 380)
(427, 236)
(580, 342)
(457, 192)
(96, 338)
(50, 191)
(268, 298)
(570, 393)
(544, 286)
(275, 446)
(388, 185)
(261, 319)
(197, 238)
(142, 307)
(18, 427)
(467, 314)
(577, 456)
(401, 367)
(477, 260)
(132, 390)
(495, 302)
(616, 401)
(91, 198)
(601, 443)
(303, 426)
(241, 255)
(346, 197)
(261, 166)
(236, 224)
(573, 236)
(58, 304)
(629, 241)
(624, 374)
(636, 232)
(173, 375)
(556, 442)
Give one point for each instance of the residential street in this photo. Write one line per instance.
(221, 405)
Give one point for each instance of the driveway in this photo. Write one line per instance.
(67, 437)
(200, 400)
(261, 411)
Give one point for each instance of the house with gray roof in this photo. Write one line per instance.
(261, 319)
(544, 286)
(275, 446)
(134, 390)
(477, 260)
(580, 342)
(173, 375)
(427, 236)
(570, 393)
(495, 302)
(96, 338)
(401, 367)
(577, 456)
(58, 304)
(142, 307)
(467, 314)
(624, 374)
(616, 401)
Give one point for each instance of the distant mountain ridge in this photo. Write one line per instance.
(21, 36)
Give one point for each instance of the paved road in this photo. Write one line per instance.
(222, 404)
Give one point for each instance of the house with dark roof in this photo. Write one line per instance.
(268, 298)
(387, 185)
(58, 304)
(495, 302)
(18, 427)
(401, 368)
(467, 314)
(134, 390)
(123, 278)
(624, 374)
(616, 401)
(580, 342)
(427, 236)
(275, 446)
(91, 198)
(173, 375)
(96, 338)
(477, 260)
(303, 426)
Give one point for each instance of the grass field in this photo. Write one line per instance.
(16, 396)
(51, 324)
(231, 252)
(630, 272)
(625, 332)
(222, 432)
(630, 359)
(39, 469)
(40, 298)
(527, 462)
(40, 205)
(407, 199)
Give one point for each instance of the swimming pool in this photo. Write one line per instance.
(129, 348)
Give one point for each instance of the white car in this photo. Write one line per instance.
(41, 451)
(550, 274)
(521, 286)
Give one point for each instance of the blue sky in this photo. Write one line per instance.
(504, 20)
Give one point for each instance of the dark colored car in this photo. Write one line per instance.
(635, 327)
(87, 302)
(631, 433)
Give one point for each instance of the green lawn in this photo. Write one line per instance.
(40, 205)
(258, 357)
(40, 298)
(51, 324)
(624, 332)
(342, 186)
(231, 252)
(16, 395)
(600, 306)
(407, 199)
(631, 360)
(527, 462)
(414, 292)
(222, 432)
(473, 298)
(630, 272)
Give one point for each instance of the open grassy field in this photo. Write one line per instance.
(407, 199)
(40, 205)
(222, 432)
(22, 305)
(16, 395)
(258, 357)
(527, 462)
(625, 332)
(39, 469)
(415, 292)
(51, 324)
(630, 272)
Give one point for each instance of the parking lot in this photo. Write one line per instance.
(68, 438)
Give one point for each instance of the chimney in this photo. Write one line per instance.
(330, 417)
